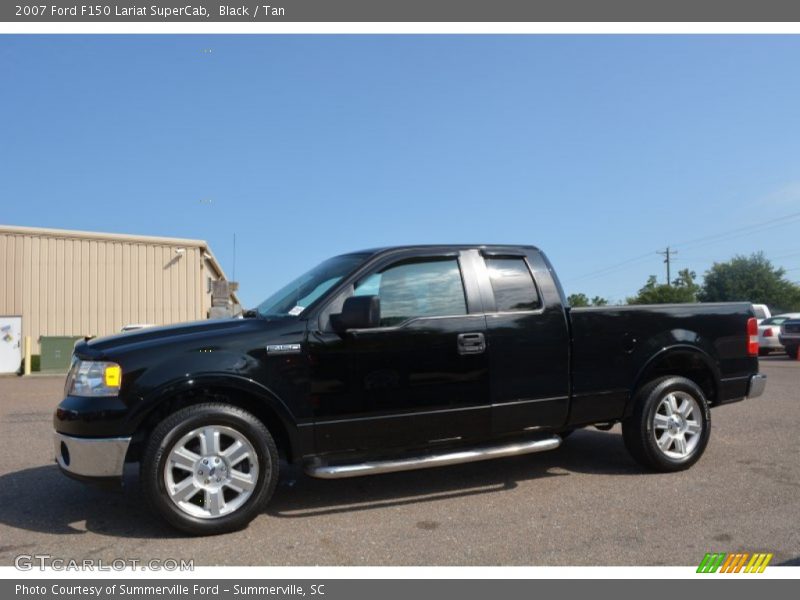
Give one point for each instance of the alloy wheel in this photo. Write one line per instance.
(677, 425)
(211, 471)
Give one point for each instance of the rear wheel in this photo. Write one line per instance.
(209, 468)
(670, 424)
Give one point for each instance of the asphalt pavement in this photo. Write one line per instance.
(586, 503)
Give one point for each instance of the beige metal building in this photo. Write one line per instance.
(75, 283)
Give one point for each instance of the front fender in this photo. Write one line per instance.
(269, 405)
(194, 370)
(226, 381)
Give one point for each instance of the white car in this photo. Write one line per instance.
(762, 312)
(768, 331)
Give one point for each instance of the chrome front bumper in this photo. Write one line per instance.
(91, 457)
(756, 385)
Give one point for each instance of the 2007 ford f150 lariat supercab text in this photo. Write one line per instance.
(394, 359)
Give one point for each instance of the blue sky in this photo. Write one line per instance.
(599, 149)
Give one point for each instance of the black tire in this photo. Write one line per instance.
(175, 427)
(792, 352)
(639, 430)
(763, 351)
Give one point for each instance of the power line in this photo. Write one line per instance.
(785, 256)
(694, 259)
(780, 220)
(614, 267)
(698, 242)
(732, 235)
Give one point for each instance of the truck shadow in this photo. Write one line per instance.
(586, 451)
(41, 499)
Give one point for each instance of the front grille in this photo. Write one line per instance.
(791, 327)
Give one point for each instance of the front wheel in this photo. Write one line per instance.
(670, 424)
(209, 468)
(792, 352)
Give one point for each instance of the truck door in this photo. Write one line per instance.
(527, 340)
(420, 377)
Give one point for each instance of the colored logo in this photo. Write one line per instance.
(734, 563)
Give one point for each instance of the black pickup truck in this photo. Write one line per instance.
(394, 359)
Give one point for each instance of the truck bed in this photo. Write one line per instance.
(613, 346)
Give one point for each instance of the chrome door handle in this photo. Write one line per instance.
(471, 343)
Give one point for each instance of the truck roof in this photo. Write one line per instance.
(494, 247)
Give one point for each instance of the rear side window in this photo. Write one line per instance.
(513, 285)
(775, 321)
(422, 288)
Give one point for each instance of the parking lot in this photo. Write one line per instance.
(586, 503)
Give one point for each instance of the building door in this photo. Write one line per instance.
(10, 344)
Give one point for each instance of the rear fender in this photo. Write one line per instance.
(688, 359)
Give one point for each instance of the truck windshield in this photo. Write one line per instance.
(292, 299)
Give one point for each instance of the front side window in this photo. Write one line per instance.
(513, 285)
(429, 288)
(292, 299)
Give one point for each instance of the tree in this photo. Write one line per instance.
(580, 299)
(683, 289)
(750, 279)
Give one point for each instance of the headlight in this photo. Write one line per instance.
(94, 378)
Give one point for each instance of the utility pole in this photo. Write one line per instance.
(233, 270)
(667, 254)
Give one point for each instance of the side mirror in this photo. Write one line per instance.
(358, 312)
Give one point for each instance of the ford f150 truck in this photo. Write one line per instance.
(394, 359)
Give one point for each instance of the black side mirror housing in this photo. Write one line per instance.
(358, 312)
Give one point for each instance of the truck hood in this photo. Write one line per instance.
(157, 336)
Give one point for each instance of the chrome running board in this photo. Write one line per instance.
(323, 471)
